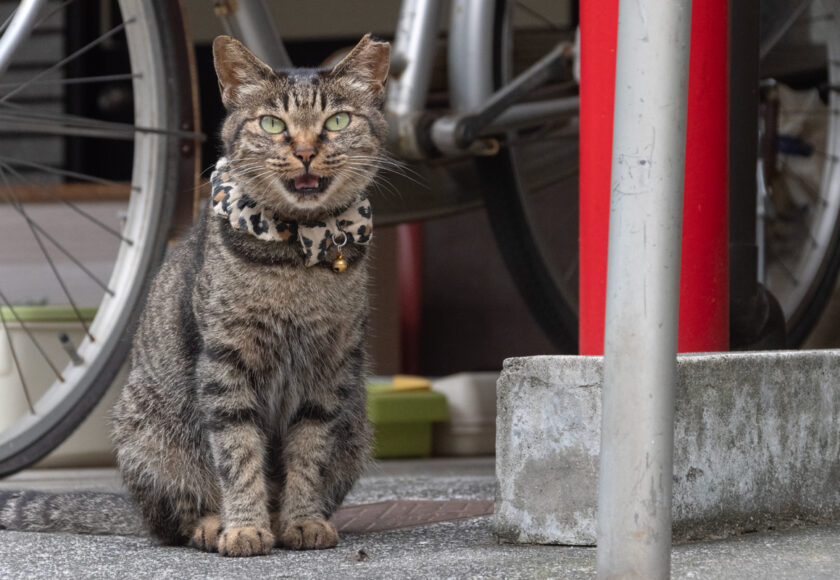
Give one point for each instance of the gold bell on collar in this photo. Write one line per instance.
(340, 264)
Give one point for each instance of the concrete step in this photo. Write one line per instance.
(757, 445)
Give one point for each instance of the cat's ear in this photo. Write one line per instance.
(369, 61)
(237, 69)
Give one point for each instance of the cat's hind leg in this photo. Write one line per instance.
(205, 536)
(169, 519)
(173, 518)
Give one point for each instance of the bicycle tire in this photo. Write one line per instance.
(549, 302)
(170, 183)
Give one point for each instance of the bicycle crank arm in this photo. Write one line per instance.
(455, 133)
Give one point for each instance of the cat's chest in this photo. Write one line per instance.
(288, 313)
(294, 292)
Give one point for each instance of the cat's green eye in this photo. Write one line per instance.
(272, 125)
(337, 122)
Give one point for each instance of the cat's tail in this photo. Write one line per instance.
(85, 512)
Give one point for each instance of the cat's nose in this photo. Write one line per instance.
(305, 153)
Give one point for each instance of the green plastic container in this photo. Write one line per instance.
(47, 313)
(402, 420)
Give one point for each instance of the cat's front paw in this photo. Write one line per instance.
(309, 534)
(245, 541)
(206, 534)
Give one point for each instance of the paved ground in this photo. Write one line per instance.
(459, 549)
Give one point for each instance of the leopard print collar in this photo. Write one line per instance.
(315, 238)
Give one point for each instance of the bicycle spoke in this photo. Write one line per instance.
(73, 56)
(768, 44)
(812, 19)
(63, 172)
(71, 205)
(64, 251)
(31, 336)
(79, 80)
(813, 192)
(52, 12)
(538, 15)
(17, 364)
(8, 21)
(808, 112)
(47, 128)
(61, 283)
(83, 125)
(782, 266)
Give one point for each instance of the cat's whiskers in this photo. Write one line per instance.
(364, 175)
(251, 176)
(243, 176)
(264, 181)
(244, 171)
(242, 162)
(208, 169)
(391, 166)
(387, 160)
(378, 181)
(258, 182)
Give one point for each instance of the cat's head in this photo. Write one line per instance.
(304, 142)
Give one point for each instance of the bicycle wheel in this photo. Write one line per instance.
(799, 184)
(132, 169)
(530, 187)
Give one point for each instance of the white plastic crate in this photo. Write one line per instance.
(471, 429)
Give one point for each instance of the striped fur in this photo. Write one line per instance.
(243, 422)
(82, 512)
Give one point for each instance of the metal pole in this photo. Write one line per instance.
(637, 428)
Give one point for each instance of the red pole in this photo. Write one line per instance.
(704, 278)
(410, 288)
(598, 34)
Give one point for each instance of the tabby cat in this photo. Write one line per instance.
(243, 421)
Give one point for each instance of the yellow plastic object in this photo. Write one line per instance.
(411, 383)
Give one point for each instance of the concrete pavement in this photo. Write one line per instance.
(460, 549)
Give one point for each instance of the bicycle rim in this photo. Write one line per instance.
(152, 31)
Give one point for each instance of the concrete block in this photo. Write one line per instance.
(757, 445)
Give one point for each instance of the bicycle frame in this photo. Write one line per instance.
(478, 110)
(17, 29)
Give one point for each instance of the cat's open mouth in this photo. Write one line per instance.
(307, 184)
